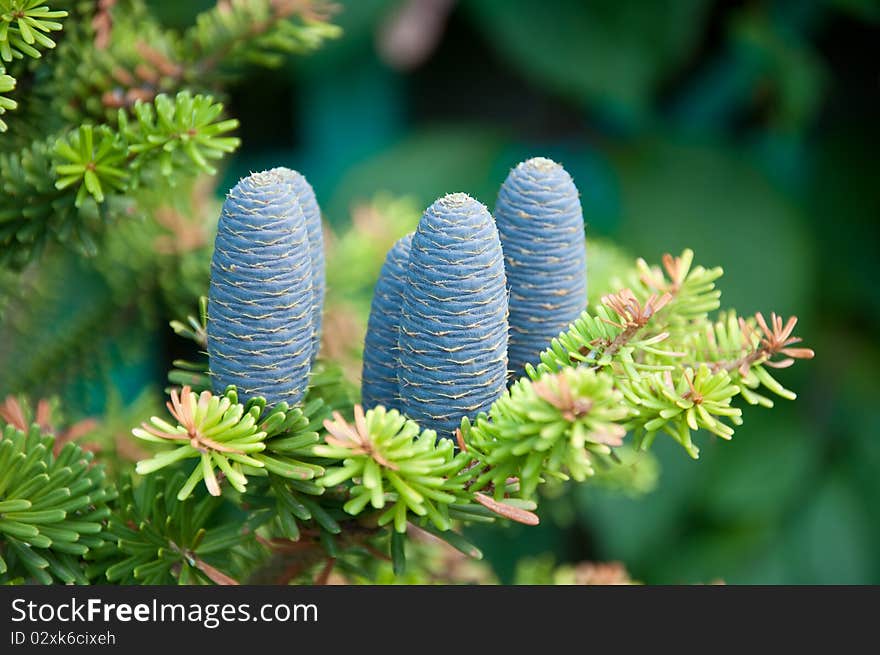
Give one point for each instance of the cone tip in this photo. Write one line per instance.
(542, 164)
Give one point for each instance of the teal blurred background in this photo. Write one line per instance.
(747, 131)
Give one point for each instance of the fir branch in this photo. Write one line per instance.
(553, 427)
(174, 132)
(607, 336)
(119, 123)
(214, 429)
(392, 461)
(691, 288)
(774, 341)
(158, 539)
(260, 32)
(633, 316)
(255, 31)
(679, 403)
(120, 54)
(745, 347)
(195, 329)
(52, 506)
(25, 26)
(7, 84)
(15, 411)
(97, 173)
(326, 488)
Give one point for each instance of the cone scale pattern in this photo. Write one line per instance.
(541, 226)
(381, 355)
(453, 327)
(312, 214)
(260, 326)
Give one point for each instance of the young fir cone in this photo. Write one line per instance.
(312, 214)
(260, 297)
(541, 226)
(379, 384)
(453, 326)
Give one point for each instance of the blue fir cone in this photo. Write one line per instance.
(379, 384)
(260, 298)
(312, 214)
(453, 326)
(541, 226)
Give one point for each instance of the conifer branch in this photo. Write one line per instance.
(53, 503)
(125, 107)
(335, 481)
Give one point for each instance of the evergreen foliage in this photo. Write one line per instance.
(124, 107)
(213, 429)
(677, 369)
(53, 501)
(385, 452)
(154, 538)
(554, 427)
(7, 84)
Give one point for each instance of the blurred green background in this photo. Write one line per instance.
(747, 131)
